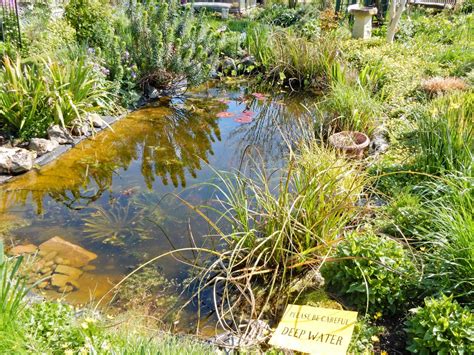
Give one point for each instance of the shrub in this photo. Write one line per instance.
(374, 273)
(168, 44)
(441, 326)
(91, 19)
(445, 135)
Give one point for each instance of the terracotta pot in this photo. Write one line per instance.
(352, 143)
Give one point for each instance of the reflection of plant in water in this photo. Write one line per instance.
(116, 224)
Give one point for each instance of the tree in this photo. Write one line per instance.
(394, 13)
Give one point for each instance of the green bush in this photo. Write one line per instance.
(167, 44)
(374, 273)
(92, 21)
(441, 326)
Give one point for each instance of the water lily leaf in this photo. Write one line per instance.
(225, 114)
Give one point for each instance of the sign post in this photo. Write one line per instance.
(315, 330)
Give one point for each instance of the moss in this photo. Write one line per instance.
(317, 298)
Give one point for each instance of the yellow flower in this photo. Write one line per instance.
(85, 325)
(374, 338)
(383, 352)
(378, 315)
(68, 352)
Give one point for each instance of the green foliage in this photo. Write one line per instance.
(35, 96)
(52, 39)
(441, 326)
(167, 44)
(450, 239)
(364, 337)
(373, 273)
(52, 327)
(445, 135)
(352, 108)
(282, 15)
(91, 19)
(287, 59)
(406, 216)
(279, 226)
(12, 293)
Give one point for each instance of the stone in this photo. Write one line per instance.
(73, 272)
(228, 64)
(58, 260)
(49, 256)
(43, 285)
(66, 289)
(249, 61)
(59, 280)
(75, 254)
(42, 146)
(16, 160)
(89, 268)
(362, 20)
(60, 135)
(47, 270)
(80, 128)
(23, 249)
(95, 120)
(49, 263)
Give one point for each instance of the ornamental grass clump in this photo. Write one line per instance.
(372, 273)
(37, 95)
(445, 136)
(281, 228)
(441, 326)
(450, 239)
(287, 59)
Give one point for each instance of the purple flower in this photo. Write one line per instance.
(105, 71)
(91, 51)
(126, 55)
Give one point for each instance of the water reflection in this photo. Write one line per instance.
(167, 142)
(115, 194)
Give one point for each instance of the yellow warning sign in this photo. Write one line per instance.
(315, 330)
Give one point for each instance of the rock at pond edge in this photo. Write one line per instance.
(16, 160)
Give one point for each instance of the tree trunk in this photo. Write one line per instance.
(394, 13)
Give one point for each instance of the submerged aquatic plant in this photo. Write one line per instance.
(116, 225)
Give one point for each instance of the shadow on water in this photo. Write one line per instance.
(115, 194)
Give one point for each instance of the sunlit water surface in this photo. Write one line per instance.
(115, 194)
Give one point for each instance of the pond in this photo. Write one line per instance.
(116, 194)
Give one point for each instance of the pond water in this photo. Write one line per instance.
(115, 194)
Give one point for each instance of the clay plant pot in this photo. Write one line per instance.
(351, 143)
